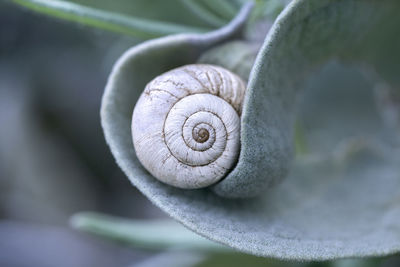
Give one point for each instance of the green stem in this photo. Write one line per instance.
(106, 20)
(147, 234)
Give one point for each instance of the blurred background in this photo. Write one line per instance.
(54, 161)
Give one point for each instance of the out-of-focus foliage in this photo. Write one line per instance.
(150, 18)
(53, 159)
(104, 19)
(154, 234)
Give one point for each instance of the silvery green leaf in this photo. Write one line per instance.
(296, 46)
(332, 203)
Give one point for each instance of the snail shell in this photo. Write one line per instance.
(186, 125)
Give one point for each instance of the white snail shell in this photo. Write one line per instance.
(186, 125)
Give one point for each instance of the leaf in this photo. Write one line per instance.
(333, 204)
(224, 8)
(172, 11)
(106, 20)
(333, 31)
(154, 234)
(201, 11)
(240, 64)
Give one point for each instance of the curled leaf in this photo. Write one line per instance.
(303, 38)
(330, 205)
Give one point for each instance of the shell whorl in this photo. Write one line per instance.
(186, 125)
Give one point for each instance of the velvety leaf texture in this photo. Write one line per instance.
(329, 205)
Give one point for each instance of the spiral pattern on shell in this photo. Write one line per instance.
(186, 125)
